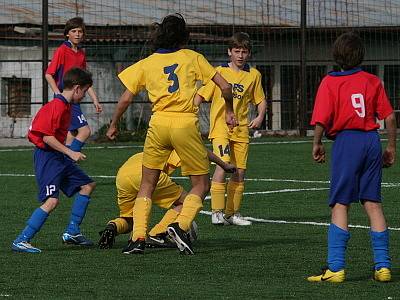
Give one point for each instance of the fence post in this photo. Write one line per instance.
(302, 110)
(45, 49)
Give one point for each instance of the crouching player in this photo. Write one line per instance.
(167, 194)
(346, 107)
(54, 163)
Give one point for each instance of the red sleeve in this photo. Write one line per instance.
(324, 106)
(56, 61)
(383, 106)
(48, 120)
(84, 63)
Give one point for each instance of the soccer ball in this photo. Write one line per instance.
(193, 232)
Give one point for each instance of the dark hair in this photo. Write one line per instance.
(77, 76)
(76, 22)
(171, 33)
(348, 50)
(240, 40)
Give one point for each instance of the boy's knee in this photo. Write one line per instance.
(87, 189)
(50, 204)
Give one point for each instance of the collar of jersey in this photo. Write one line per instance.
(165, 50)
(345, 73)
(69, 44)
(246, 67)
(62, 98)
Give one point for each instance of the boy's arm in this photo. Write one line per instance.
(389, 155)
(261, 109)
(95, 100)
(124, 101)
(56, 145)
(52, 84)
(226, 90)
(228, 168)
(198, 99)
(318, 151)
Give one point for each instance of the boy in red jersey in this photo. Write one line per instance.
(67, 56)
(55, 167)
(346, 107)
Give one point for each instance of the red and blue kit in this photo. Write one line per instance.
(347, 106)
(53, 170)
(64, 59)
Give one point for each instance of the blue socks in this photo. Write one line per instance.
(78, 212)
(76, 145)
(380, 248)
(34, 224)
(337, 244)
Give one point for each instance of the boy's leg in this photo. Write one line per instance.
(218, 189)
(34, 224)
(72, 234)
(379, 240)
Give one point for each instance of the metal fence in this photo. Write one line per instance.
(291, 49)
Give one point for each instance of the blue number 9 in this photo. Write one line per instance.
(173, 77)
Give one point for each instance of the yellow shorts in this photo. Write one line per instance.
(231, 151)
(165, 194)
(168, 131)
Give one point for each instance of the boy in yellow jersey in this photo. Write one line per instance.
(232, 145)
(167, 195)
(170, 76)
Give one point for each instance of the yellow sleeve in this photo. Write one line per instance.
(133, 77)
(258, 92)
(207, 91)
(205, 70)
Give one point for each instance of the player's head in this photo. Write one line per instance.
(170, 33)
(239, 48)
(348, 50)
(78, 81)
(75, 29)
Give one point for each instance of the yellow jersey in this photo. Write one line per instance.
(170, 78)
(246, 88)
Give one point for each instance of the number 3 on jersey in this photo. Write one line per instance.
(357, 100)
(170, 70)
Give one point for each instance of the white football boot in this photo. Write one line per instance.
(237, 219)
(217, 218)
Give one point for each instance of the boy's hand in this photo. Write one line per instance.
(98, 106)
(77, 156)
(318, 153)
(229, 168)
(230, 119)
(256, 123)
(112, 132)
(388, 157)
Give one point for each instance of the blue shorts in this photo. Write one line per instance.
(78, 120)
(356, 167)
(54, 172)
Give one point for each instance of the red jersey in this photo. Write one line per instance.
(52, 119)
(64, 59)
(351, 99)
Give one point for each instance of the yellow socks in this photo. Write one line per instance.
(217, 195)
(169, 217)
(141, 214)
(191, 206)
(234, 197)
(122, 225)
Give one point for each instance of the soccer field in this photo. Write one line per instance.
(285, 195)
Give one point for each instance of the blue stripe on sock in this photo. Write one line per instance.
(35, 222)
(78, 212)
(380, 248)
(337, 244)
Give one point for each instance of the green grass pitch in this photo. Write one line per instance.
(264, 261)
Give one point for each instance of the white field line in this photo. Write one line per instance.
(258, 220)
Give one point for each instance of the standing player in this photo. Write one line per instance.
(67, 56)
(55, 167)
(167, 195)
(170, 75)
(233, 145)
(346, 107)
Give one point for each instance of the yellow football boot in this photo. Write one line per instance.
(328, 276)
(383, 275)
